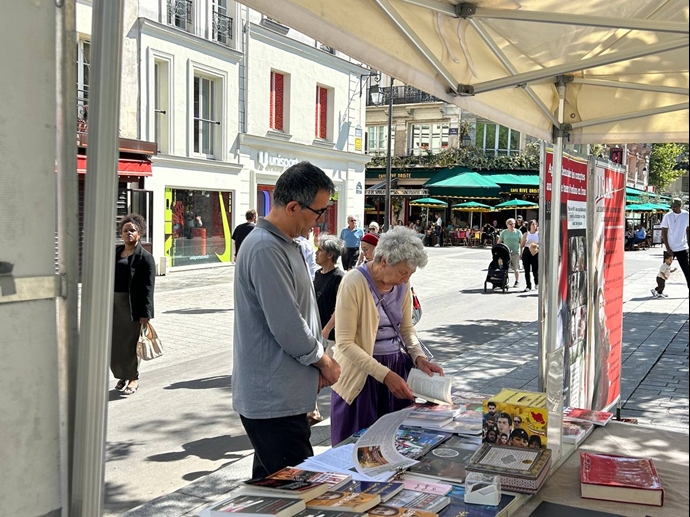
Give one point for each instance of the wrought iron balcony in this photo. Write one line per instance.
(403, 95)
(222, 29)
(180, 14)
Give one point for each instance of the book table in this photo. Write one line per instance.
(668, 449)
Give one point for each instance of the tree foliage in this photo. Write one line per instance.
(664, 164)
(470, 157)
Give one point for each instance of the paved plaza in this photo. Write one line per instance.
(176, 444)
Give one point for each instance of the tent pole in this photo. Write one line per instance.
(553, 243)
(98, 260)
(387, 216)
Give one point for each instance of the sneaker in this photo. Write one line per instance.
(664, 295)
(515, 284)
(437, 245)
(655, 294)
(527, 289)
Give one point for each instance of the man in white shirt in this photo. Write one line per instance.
(675, 233)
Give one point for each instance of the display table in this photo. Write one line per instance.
(669, 450)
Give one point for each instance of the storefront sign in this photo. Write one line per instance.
(524, 190)
(275, 161)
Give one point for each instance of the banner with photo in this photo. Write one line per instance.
(573, 279)
(606, 223)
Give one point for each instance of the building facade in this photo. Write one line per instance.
(231, 99)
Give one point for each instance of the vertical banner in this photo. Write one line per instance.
(607, 225)
(572, 265)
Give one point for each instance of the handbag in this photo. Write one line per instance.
(395, 322)
(533, 248)
(149, 344)
(416, 308)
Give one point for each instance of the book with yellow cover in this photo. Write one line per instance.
(344, 501)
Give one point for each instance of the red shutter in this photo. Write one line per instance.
(276, 101)
(321, 112)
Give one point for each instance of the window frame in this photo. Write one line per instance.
(323, 116)
(218, 116)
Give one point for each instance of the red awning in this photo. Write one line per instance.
(125, 166)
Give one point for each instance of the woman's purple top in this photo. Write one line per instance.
(387, 341)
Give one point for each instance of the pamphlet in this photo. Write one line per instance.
(375, 452)
(434, 389)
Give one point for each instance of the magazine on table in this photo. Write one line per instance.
(588, 415)
(428, 420)
(433, 388)
(446, 462)
(574, 431)
(375, 452)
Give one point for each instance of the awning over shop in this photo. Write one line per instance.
(467, 185)
(125, 166)
(633, 195)
(516, 184)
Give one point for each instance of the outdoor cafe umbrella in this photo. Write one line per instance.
(471, 207)
(646, 207)
(515, 204)
(429, 202)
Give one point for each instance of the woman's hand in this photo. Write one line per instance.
(397, 386)
(428, 367)
(144, 321)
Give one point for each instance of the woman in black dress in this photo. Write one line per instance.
(135, 278)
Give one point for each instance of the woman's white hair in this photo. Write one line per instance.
(401, 244)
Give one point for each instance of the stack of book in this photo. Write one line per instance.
(445, 462)
(521, 469)
(587, 415)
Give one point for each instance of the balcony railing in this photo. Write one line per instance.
(222, 28)
(82, 110)
(180, 14)
(403, 95)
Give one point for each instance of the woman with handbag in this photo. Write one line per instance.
(375, 342)
(530, 254)
(135, 278)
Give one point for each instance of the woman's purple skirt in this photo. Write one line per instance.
(374, 401)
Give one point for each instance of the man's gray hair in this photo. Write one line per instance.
(401, 244)
(331, 245)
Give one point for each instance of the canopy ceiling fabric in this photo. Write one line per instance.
(468, 185)
(620, 59)
(429, 202)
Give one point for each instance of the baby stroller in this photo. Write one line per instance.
(498, 268)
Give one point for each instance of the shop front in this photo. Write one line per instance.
(197, 226)
(265, 159)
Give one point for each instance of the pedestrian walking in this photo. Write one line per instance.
(512, 237)
(242, 230)
(675, 233)
(368, 244)
(135, 279)
(530, 254)
(351, 235)
(279, 363)
(663, 275)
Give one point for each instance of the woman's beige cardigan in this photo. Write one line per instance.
(356, 325)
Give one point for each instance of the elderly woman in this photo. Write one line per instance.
(376, 345)
(135, 278)
(512, 237)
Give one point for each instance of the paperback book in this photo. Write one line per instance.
(384, 489)
(445, 462)
(620, 478)
(575, 431)
(310, 512)
(459, 508)
(427, 420)
(255, 506)
(332, 479)
(420, 501)
(547, 509)
(384, 510)
(285, 487)
(448, 410)
(588, 415)
(426, 486)
(430, 388)
(344, 501)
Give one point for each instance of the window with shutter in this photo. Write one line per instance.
(276, 101)
(321, 112)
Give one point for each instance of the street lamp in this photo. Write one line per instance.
(377, 98)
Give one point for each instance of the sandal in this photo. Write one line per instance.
(121, 385)
(129, 390)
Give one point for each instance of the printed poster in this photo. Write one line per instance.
(573, 277)
(607, 278)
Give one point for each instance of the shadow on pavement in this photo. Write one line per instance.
(221, 381)
(213, 449)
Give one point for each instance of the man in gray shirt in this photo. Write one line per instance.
(279, 363)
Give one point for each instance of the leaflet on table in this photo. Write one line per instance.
(375, 451)
(339, 459)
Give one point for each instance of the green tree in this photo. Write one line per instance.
(663, 165)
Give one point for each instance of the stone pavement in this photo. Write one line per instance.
(654, 387)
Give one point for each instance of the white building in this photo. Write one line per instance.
(231, 99)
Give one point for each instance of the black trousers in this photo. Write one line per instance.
(350, 257)
(660, 284)
(530, 261)
(682, 258)
(278, 442)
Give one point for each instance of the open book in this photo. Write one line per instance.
(434, 389)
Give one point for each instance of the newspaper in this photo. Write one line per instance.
(375, 452)
(434, 389)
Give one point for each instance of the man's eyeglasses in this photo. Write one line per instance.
(319, 213)
(517, 421)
